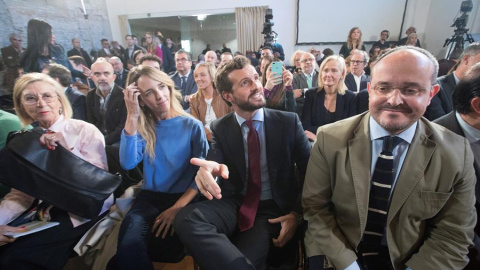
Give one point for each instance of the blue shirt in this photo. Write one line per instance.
(178, 140)
(259, 125)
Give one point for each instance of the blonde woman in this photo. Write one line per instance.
(354, 41)
(206, 105)
(161, 134)
(331, 101)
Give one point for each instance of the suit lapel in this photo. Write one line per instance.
(340, 103)
(418, 156)
(273, 138)
(234, 139)
(359, 148)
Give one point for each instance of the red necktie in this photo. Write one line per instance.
(248, 210)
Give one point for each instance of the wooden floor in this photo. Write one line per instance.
(185, 264)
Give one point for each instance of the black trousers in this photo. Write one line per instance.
(209, 231)
(48, 249)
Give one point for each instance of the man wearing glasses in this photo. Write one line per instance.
(357, 80)
(183, 78)
(387, 189)
(304, 80)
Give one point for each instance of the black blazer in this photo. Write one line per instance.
(191, 86)
(300, 82)
(352, 86)
(286, 145)
(314, 109)
(115, 115)
(362, 101)
(442, 102)
(126, 56)
(122, 80)
(81, 53)
(79, 103)
(167, 62)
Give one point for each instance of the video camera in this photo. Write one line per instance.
(267, 29)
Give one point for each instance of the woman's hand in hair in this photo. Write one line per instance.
(132, 96)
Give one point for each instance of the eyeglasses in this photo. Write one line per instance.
(409, 91)
(181, 59)
(307, 60)
(356, 62)
(33, 99)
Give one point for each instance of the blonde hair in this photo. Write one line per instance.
(341, 87)
(411, 36)
(211, 71)
(292, 59)
(350, 42)
(24, 81)
(147, 120)
(152, 47)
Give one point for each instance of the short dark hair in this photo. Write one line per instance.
(135, 53)
(128, 36)
(222, 81)
(467, 89)
(189, 56)
(103, 40)
(151, 57)
(78, 60)
(57, 71)
(327, 52)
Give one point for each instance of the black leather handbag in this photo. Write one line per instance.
(57, 177)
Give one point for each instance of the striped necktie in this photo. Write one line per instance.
(378, 204)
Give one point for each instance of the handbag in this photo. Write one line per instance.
(56, 176)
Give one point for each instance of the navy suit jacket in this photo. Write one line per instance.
(314, 109)
(116, 114)
(79, 103)
(442, 102)
(167, 61)
(191, 86)
(126, 57)
(286, 146)
(352, 86)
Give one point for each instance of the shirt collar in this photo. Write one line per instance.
(456, 78)
(258, 116)
(377, 131)
(186, 75)
(472, 134)
(311, 74)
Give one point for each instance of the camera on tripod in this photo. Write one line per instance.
(457, 41)
(267, 29)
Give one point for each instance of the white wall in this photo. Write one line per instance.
(432, 18)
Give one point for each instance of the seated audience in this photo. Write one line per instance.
(278, 88)
(38, 98)
(76, 98)
(357, 80)
(11, 61)
(388, 189)
(442, 103)
(331, 101)
(211, 57)
(412, 40)
(105, 51)
(226, 56)
(295, 62)
(161, 134)
(403, 41)
(105, 104)
(136, 57)
(128, 52)
(257, 192)
(156, 47)
(446, 66)
(305, 79)
(354, 41)
(206, 105)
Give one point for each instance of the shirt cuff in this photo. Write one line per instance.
(353, 266)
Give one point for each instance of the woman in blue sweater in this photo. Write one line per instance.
(161, 134)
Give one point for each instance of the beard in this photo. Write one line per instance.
(104, 86)
(247, 105)
(391, 123)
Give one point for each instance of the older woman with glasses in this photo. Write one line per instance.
(331, 101)
(40, 99)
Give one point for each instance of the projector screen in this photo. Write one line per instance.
(328, 22)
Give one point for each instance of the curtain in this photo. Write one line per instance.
(249, 27)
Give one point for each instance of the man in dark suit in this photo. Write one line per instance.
(465, 121)
(77, 99)
(357, 80)
(105, 104)
(128, 62)
(77, 50)
(183, 78)
(382, 43)
(442, 103)
(121, 74)
(11, 60)
(253, 153)
(304, 80)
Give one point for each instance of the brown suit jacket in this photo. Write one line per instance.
(198, 108)
(431, 217)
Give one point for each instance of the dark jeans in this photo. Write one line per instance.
(210, 233)
(135, 236)
(48, 249)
